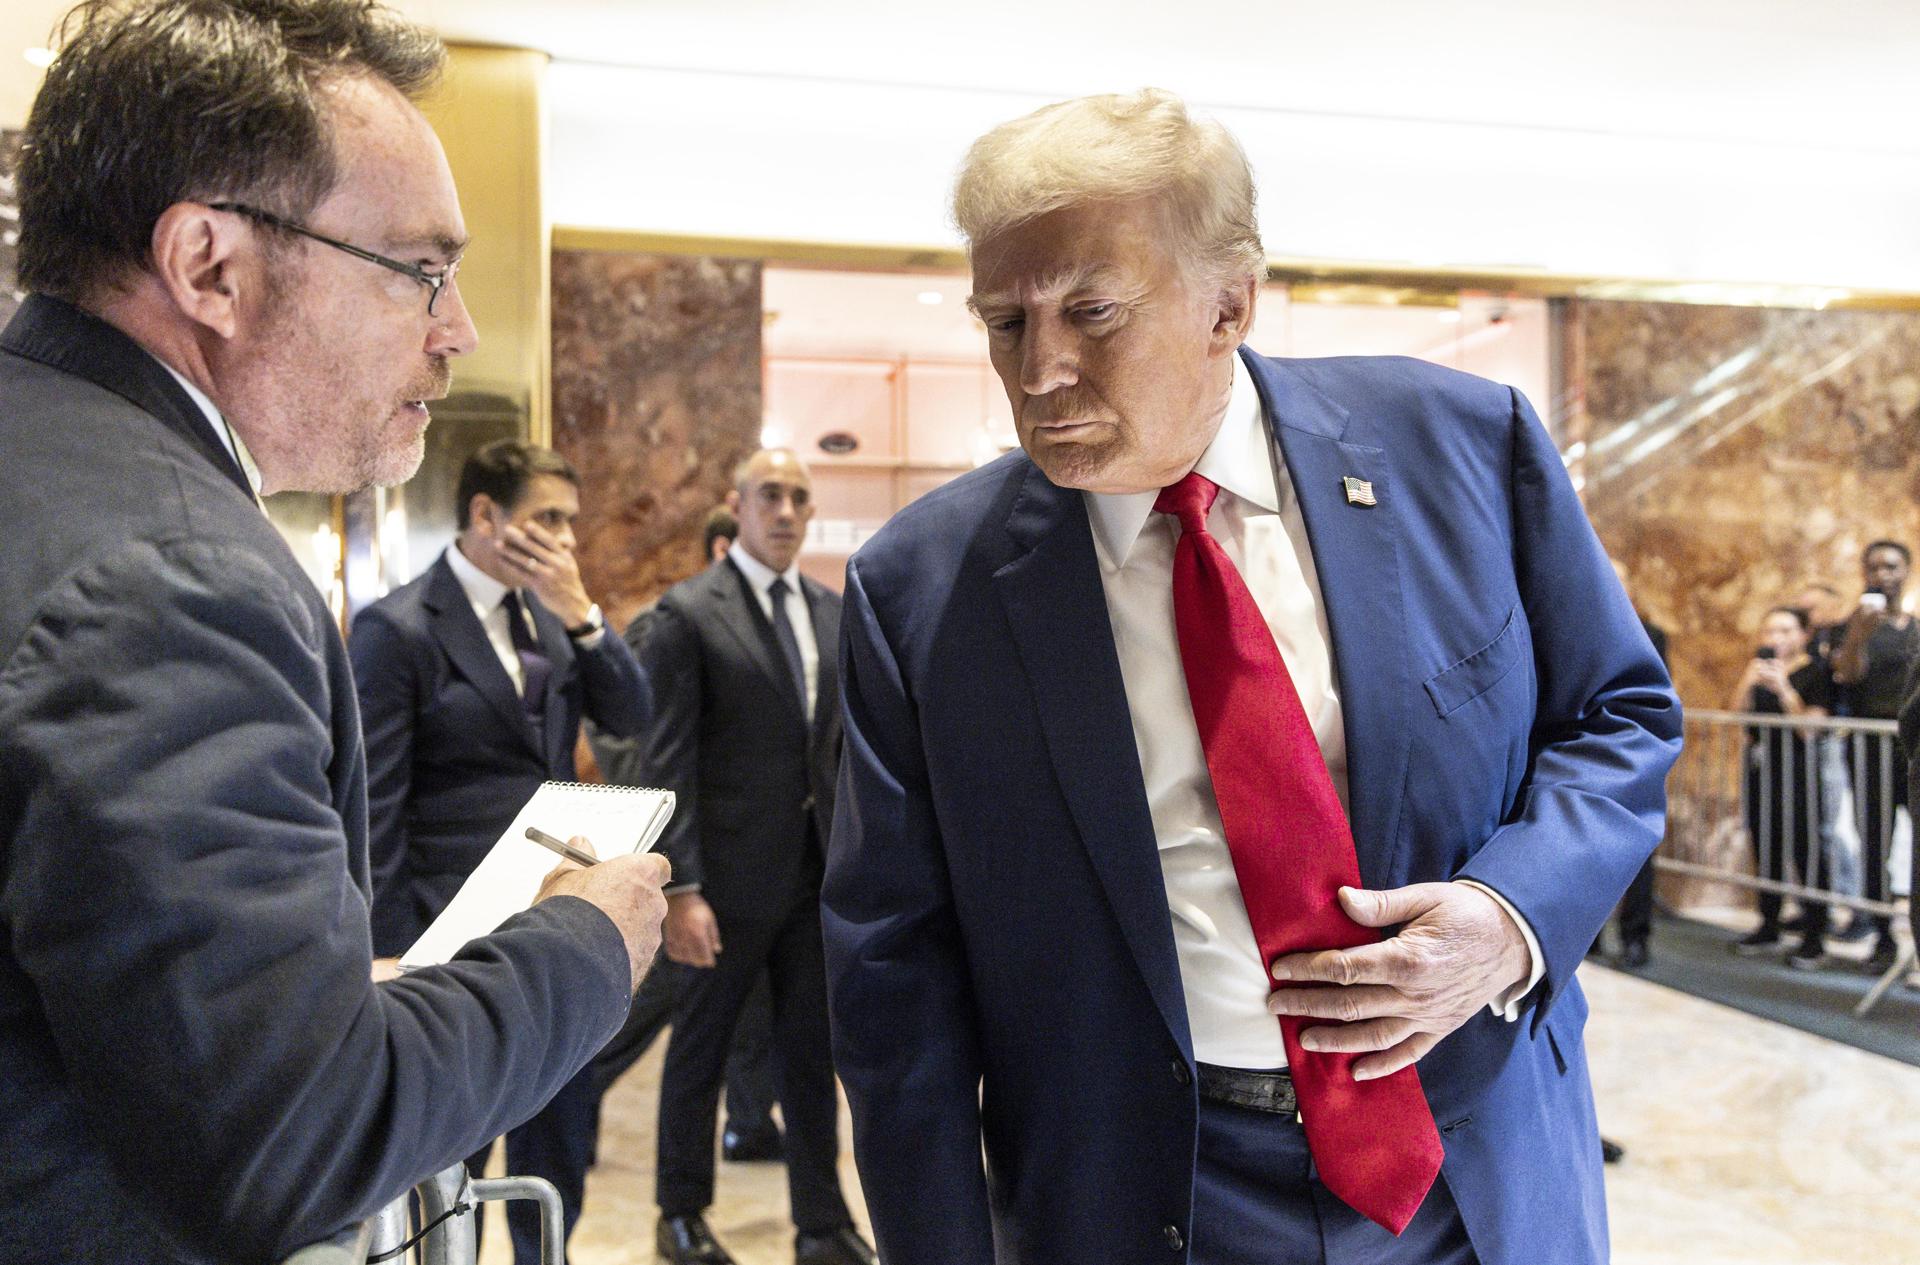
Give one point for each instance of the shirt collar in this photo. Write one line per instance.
(223, 432)
(759, 574)
(481, 589)
(1239, 460)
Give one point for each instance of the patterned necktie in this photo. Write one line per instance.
(789, 644)
(535, 667)
(1374, 1142)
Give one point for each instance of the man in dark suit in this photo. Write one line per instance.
(746, 731)
(195, 1061)
(472, 681)
(1245, 673)
(751, 1134)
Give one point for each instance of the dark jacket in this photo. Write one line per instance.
(730, 738)
(194, 1062)
(450, 755)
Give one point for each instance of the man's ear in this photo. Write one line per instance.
(480, 514)
(733, 501)
(1233, 315)
(201, 259)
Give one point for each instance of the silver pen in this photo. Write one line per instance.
(565, 849)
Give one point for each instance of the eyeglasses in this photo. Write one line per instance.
(436, 282)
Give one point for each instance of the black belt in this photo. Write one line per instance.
(1256, 1091)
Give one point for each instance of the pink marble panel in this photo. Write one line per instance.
(657, 396)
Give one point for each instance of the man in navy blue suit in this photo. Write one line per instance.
(1245, 674)
(472, 681)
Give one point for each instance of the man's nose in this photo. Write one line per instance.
(1049, 356)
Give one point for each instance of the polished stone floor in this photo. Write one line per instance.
(1749, 1143)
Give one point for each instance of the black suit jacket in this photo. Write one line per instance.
(730, 738)
(450, 755)
(194, 1062)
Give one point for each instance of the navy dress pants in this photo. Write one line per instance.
(1258, 1201)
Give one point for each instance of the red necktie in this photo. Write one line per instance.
(1373, 1142)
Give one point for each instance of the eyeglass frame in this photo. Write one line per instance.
(436, 282)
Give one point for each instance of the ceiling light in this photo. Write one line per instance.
(39, 57)
(931, 297)
(1448, 316)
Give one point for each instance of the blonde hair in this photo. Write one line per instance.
(1118, 148)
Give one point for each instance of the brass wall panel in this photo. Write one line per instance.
(491, 115)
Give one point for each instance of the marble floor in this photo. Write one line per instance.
(1748, 1143)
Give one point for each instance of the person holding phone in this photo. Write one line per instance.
(1879, 645)
(1782, 782)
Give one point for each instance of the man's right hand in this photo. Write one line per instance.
(625, 889)
(692, 932)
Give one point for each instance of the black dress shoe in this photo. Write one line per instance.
(1611, 1152)
(1884, 952)
(836, 1247)
(753, 1146)
(687, 1241)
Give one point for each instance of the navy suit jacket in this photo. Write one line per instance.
(1000, 951)
(194, 1061)
(450, 755)
(755, 780)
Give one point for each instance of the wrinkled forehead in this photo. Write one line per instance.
(395, 181)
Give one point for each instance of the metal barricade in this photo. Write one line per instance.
(1788, 806)
(450, 1234)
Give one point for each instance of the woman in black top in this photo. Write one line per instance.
(1783, 782)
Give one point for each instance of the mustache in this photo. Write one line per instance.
(436, 383)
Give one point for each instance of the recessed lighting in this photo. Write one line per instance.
(1448, 316)
(931, 297)
(38, 57)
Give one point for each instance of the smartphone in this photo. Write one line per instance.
(1764, 652)
(1873, 599)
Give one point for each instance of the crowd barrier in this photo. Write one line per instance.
(1802, 808)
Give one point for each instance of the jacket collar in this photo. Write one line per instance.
(64, 337)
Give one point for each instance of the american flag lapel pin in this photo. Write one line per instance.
(1359, 491)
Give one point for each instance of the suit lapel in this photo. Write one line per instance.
(459, 633)
(77, 342)
(754, 631)
(1057, 610)
(825, 614)
(558, 647)
(1355, 555)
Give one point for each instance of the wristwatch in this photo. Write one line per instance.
(592, 624)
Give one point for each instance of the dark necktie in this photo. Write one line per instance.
(535, 667)
(1374, 1142)
(789, 644)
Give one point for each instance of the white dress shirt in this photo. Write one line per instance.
(486, 594)
(221, 430)
(760, 578)
(1258, 522)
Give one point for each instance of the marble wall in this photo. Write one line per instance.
(1729, 456)
(656, 396)
(1733, 454)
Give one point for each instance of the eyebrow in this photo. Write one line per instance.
(1062, 280)
(444, 244)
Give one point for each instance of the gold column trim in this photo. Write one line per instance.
(491, 114)
(1413, 284)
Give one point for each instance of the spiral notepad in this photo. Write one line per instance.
(616, 819)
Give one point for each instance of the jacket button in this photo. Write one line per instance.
(1175, 1239)
(1180, 1075)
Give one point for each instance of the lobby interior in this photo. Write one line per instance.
(1689, 232)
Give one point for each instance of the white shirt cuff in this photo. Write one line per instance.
(593, 639)
(1508, 1006)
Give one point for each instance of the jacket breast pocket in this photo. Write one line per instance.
(1454, 687)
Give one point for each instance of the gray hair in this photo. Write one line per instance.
(1119, 148)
